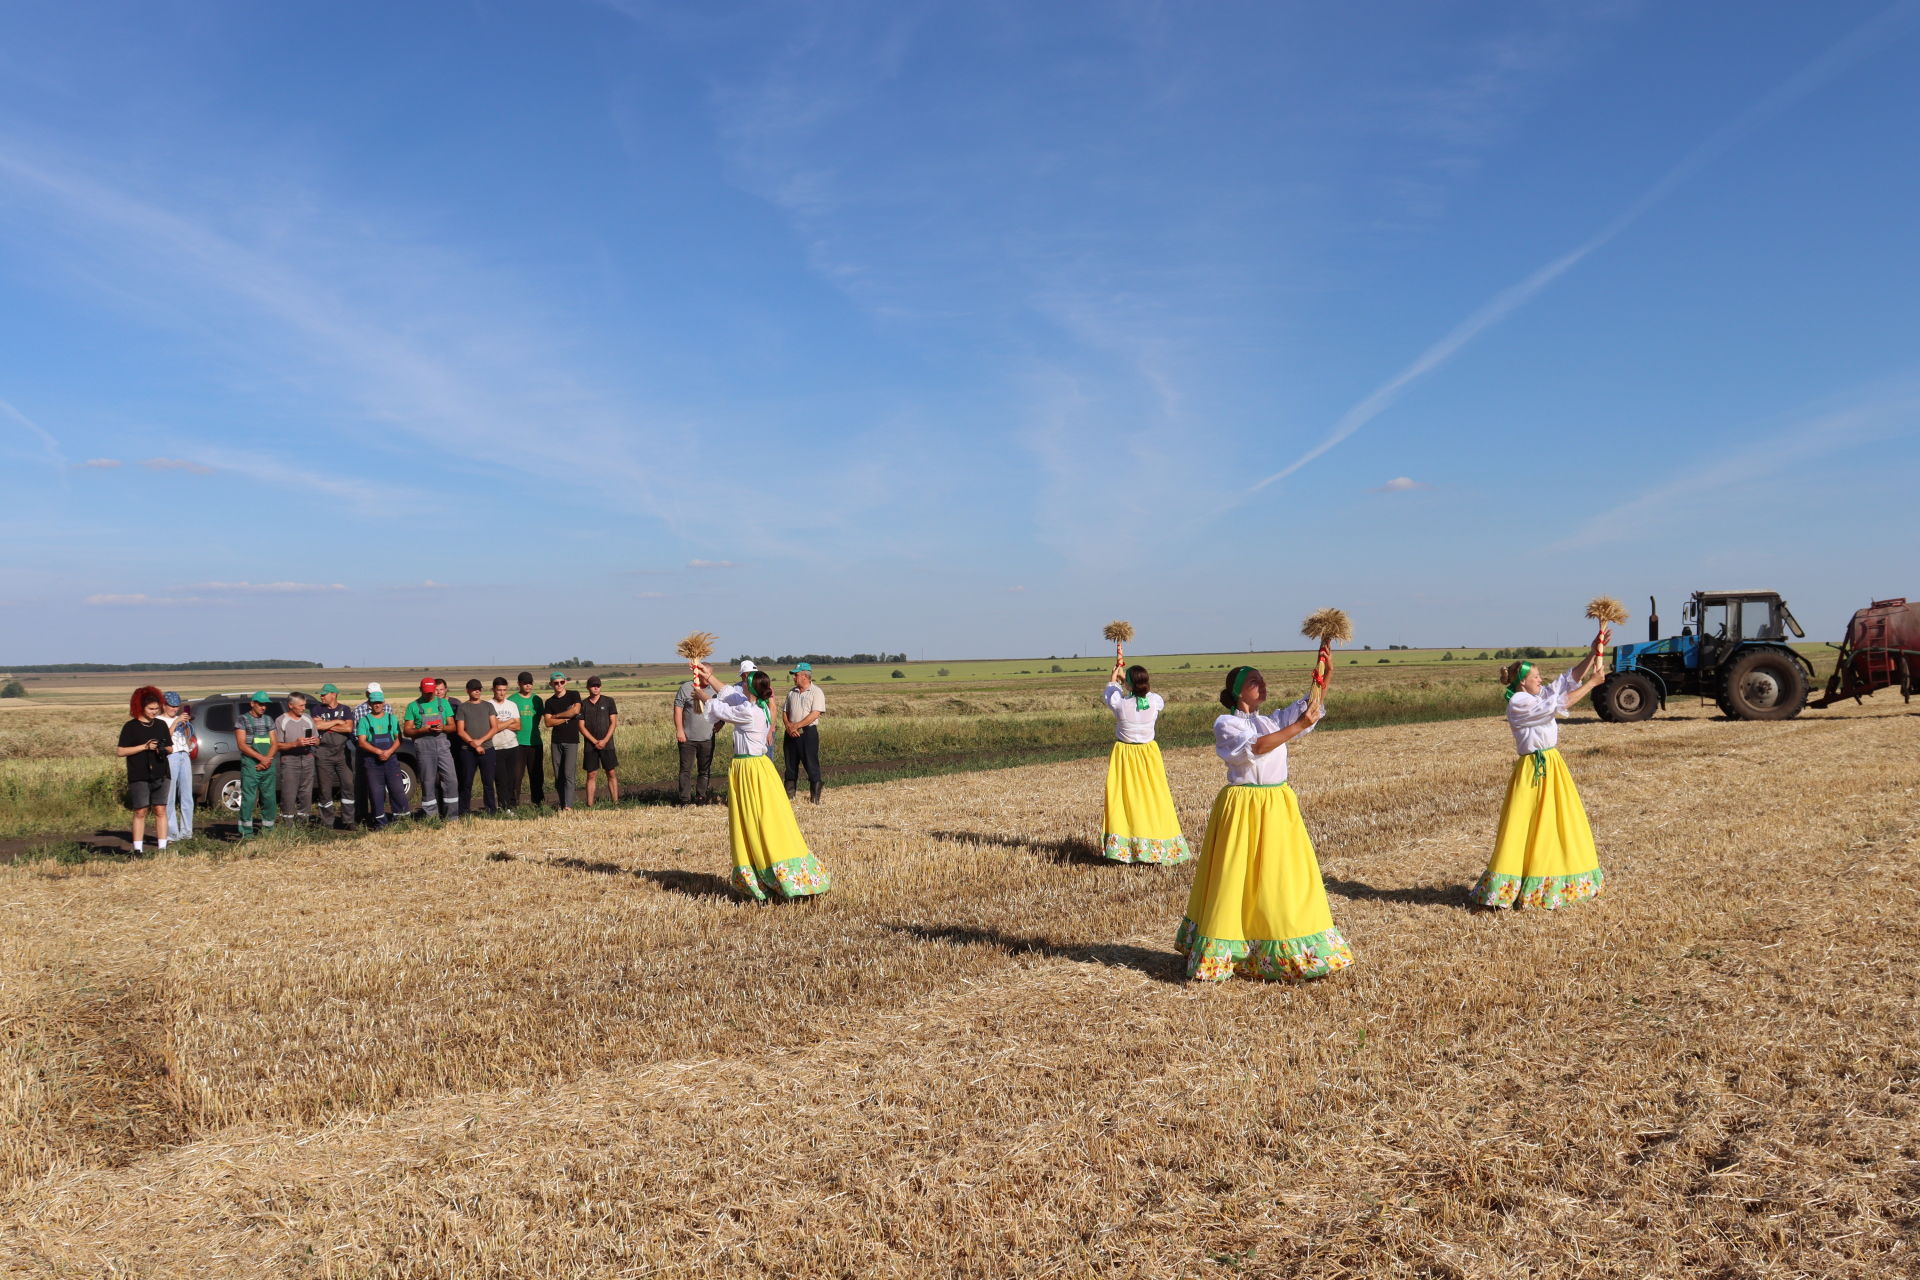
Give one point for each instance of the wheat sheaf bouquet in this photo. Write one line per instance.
(1329, 627)
(1119, 632)
(697, 647)
(1606, 611)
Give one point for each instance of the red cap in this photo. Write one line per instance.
(426, 685)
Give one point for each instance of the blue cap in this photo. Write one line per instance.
(173, 699)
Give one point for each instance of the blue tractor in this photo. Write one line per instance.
(1732, 647)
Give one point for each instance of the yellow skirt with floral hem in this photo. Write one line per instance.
(770, 858)
(1544, 854)
(1140, 823)
(1258, 907)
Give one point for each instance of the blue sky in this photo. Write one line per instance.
(496, 332)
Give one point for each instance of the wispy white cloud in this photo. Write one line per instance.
(1861, 41)
(98, 464)
(478, 389)
(177, 464)
(1402, 484)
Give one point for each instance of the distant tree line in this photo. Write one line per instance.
(823, 659)
(241, 664)
(1532, 652)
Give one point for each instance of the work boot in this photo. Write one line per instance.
(816, 793)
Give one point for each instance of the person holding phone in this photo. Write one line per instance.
(145, 743)
(294, 738)
(178, 717)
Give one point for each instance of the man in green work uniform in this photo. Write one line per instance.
(259, 766)
(428, 720)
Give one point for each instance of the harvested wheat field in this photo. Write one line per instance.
(557, 1049)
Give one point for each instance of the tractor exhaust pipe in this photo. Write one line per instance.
(1653, 620)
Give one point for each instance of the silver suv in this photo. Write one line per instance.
(216, 769)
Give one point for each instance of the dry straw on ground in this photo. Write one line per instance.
(558, 1049)
(1119, 632)
(1607, 610)
(697, 647)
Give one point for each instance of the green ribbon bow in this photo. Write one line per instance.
(1519, 677)
(1539, 766)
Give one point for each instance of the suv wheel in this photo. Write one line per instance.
(226, 790)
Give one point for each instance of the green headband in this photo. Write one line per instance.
(1238, 682)
(1519, 677)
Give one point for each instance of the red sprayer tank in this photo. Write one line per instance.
(1881, 651)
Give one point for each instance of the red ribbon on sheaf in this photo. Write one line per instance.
(1323, 665)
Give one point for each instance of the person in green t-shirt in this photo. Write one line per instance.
(533, 752)
(428, 721)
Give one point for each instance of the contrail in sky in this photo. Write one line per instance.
(38, 432)
(1512, 298)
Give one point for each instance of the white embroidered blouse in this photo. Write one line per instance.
(1233, 739)
(1130, 723)
(1531, 716)
(752, 727)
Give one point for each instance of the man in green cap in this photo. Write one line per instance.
(333, 758)
(806, 703)
(259, 771)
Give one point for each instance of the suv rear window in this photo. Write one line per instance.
(219, 718)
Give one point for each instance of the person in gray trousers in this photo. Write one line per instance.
(296, 737)
(562, 719)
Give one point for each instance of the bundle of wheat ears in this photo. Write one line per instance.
(1119, 632)
(697, 647)
(1329, 627)
(1606, 610)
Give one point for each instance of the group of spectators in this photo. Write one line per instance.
(322, 760)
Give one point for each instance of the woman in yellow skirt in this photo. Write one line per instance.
(1258, 907)
(1140, 823)
(770, 857)
(1544, 854)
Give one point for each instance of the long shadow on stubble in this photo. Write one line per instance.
(693, 884)
(1162, 966)
(1449, 895)
(1076, 849)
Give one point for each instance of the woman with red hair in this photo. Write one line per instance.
(145, 742)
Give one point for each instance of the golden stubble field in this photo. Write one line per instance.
(556, 1049)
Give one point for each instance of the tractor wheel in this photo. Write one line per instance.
(1626, 697)
(1764, 684)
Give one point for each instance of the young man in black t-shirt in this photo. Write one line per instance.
(599, 716)
(561, 715)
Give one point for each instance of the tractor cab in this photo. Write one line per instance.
(1732, 647)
